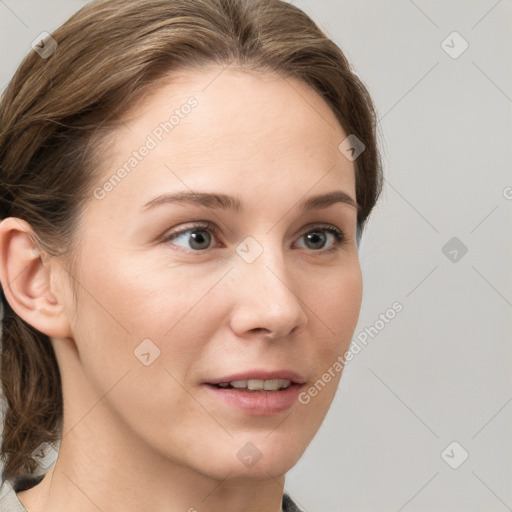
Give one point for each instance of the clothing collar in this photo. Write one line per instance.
(9, 501)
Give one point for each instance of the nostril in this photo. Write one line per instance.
(266, 332)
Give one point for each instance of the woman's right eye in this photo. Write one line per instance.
(198, 237)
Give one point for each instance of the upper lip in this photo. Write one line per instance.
(290, 375)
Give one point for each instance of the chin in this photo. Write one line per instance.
(268, 469)
(255, 456)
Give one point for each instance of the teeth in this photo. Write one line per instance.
(256, 385)
(272, 385)
(239, 384)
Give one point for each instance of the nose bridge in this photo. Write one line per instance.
(265, 294)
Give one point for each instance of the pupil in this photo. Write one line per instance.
(200, 239)
(313, 236)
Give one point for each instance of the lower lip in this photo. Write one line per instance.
(258, 403)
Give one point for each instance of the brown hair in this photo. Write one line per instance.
(58, 109)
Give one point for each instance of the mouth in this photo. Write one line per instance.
(256, 385)
(258, 380)
(258, 393)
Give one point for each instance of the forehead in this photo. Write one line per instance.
(230, 129)
(233, 104)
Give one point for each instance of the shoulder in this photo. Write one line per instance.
(289, 505)
(9, 501)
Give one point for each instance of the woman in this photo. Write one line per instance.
(184, 185)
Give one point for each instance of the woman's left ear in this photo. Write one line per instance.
(29, 283)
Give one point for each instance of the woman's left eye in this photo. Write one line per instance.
(199, 237)
(319, 235)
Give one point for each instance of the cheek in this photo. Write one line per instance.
(139, 335)
(134, 308)
(135, 295)
(339, 304)
(335, 318)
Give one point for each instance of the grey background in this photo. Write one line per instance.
(440, 371)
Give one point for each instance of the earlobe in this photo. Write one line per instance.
(26, 279)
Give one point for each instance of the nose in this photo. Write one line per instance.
(265, 298)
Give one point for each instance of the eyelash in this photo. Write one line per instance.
(206, 226)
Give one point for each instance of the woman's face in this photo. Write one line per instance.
(176, 296)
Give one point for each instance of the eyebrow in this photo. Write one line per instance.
(225, 202)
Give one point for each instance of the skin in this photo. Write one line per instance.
(152, 438)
